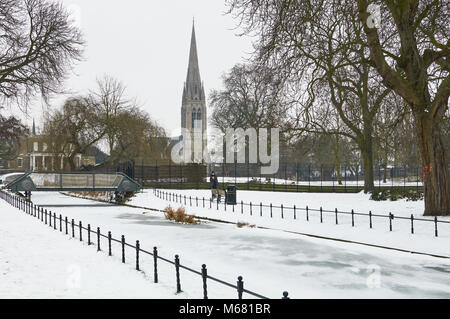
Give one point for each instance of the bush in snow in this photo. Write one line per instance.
(179, 216)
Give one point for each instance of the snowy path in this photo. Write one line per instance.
(36, 262)
(270, 261)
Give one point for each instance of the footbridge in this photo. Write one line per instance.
(73, 182)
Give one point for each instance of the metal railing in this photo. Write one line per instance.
(283, 210)
(75, 230)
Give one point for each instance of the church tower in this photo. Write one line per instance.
(193, 106)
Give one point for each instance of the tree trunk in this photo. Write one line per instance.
(337, 161)
(385, 172)
(366, 147)
(434, 167)
(368, 171)
(71, 162)
(338, 172)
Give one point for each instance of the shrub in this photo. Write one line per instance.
(242, 224)
(396, 194)
(179, 216)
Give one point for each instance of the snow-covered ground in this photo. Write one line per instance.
(423, 239)
(270, 261)
(38, 262)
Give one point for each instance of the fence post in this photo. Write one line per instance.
(370, 219)
(137, 254)
(60, 223)
(155, 264)
(353, 218)
(436, 226)
(73, 228)
(391, 217)
(98, 239)
(54, 221)
(81, 231)
(285, 295)
(336, 212)
(295, 213)
(204, 276)
(282, 212)
(242, 207)
(260, 209)
(240, 287)
(89, 234)
(251, 212)
(307, 214)
(177, 271)
(271, 215)
(412, 224)
(321, 213)
(66, 221)
(109, 244)
(123, 249)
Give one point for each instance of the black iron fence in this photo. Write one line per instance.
(296, 212)
(290, 177)
(84, 233)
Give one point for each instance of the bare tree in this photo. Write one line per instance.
(322, 47)
(252, 97)
(411, 52)
(38, 45)
(110, 96)
(137, 136)
(76, 127)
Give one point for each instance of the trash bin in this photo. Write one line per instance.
(230, 197)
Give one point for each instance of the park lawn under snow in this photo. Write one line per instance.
(270, 261)
(37, 262)
(423, 239)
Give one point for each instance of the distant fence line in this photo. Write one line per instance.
(69, 228)
(292, 177)
(257, 209)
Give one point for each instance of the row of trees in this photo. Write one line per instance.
(376, 77)
(107, 118)
(39, 45)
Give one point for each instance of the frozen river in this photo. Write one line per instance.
(270, 261)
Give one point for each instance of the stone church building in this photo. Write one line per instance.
(193, 108)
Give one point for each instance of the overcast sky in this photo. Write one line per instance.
(145, 44)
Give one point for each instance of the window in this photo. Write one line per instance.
(19, 162)
(36, 146)
(44, 147)
(194, 117)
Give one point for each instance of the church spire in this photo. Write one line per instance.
(193, 74)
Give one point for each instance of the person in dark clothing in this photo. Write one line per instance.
(213, 181)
